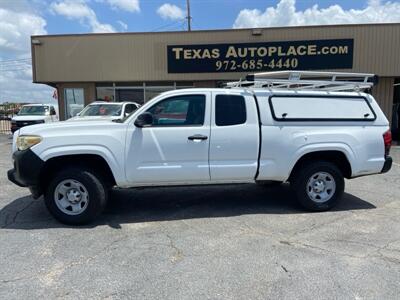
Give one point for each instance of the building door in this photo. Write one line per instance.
(74, 101)
(174, 150)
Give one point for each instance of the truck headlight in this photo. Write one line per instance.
(26, 141)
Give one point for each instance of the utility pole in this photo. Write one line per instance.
(188, 16)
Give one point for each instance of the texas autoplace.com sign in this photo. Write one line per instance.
(268, 56)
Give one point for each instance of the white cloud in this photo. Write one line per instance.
(123, 25)
(17, 24)
(79, 10)
(170, 11)
(17, 86)
(128, 5)
(16, 29)
(285, 14)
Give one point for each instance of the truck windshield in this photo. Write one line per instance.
(101, 110)
(33, 110)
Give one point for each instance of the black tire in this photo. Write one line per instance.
(301, 179)
(97, 195)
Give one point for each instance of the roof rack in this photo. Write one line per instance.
(308, 80)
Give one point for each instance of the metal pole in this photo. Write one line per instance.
(189, 18)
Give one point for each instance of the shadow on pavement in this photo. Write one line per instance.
(173, 203)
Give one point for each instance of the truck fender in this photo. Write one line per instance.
(116, 168)
(319, 147)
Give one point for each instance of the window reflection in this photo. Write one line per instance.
(137, 92)
(105, 94)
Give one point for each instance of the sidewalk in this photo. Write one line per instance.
(5, 138)
(395, 154)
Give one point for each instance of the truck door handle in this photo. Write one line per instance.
(197, 137)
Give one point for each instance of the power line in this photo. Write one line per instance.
(168, 25)
(16, 64)
(16, 71)
(16, 67)
(13, 60)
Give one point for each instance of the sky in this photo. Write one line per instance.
(19, 19)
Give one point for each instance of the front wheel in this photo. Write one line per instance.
(75, 196)
(319, 185)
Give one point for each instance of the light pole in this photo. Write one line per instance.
(189, 18)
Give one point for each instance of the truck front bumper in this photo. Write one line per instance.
(387, 165)
(26, 172)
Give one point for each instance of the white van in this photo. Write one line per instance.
(31, 114)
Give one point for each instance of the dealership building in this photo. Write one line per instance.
(138, 66)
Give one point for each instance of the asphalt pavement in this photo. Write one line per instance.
(218, 242)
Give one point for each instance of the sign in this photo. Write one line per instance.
(265, 56)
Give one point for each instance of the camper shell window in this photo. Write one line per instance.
(321, 108)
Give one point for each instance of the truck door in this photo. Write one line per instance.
(234, 137)
(174, 150)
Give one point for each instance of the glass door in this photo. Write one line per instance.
(74, 101)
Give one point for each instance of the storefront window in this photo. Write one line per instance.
(160, 83)
(138, 92)
(74, 102)
(130, 94)
(105, 94)
(184, 84)
(152, 92)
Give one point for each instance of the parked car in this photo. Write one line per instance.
(74, 109)
(31, 114)
(106, 110)
(312, 138)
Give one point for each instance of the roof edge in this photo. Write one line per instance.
(217, 30)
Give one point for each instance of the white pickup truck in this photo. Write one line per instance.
(256, 131)
(31, 114)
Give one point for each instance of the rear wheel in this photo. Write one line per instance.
(76, 196)
(319, 185)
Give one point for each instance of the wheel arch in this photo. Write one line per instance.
(94, 162)
(112, 158)
(338, 157)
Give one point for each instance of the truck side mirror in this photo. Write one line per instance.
(144, 120)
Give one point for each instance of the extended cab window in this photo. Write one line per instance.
(230, 110)
(187, 110)
(321, 108)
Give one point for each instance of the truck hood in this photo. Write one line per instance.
(103, 138)
(93, 118)
(65, 128)
(28, 118)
